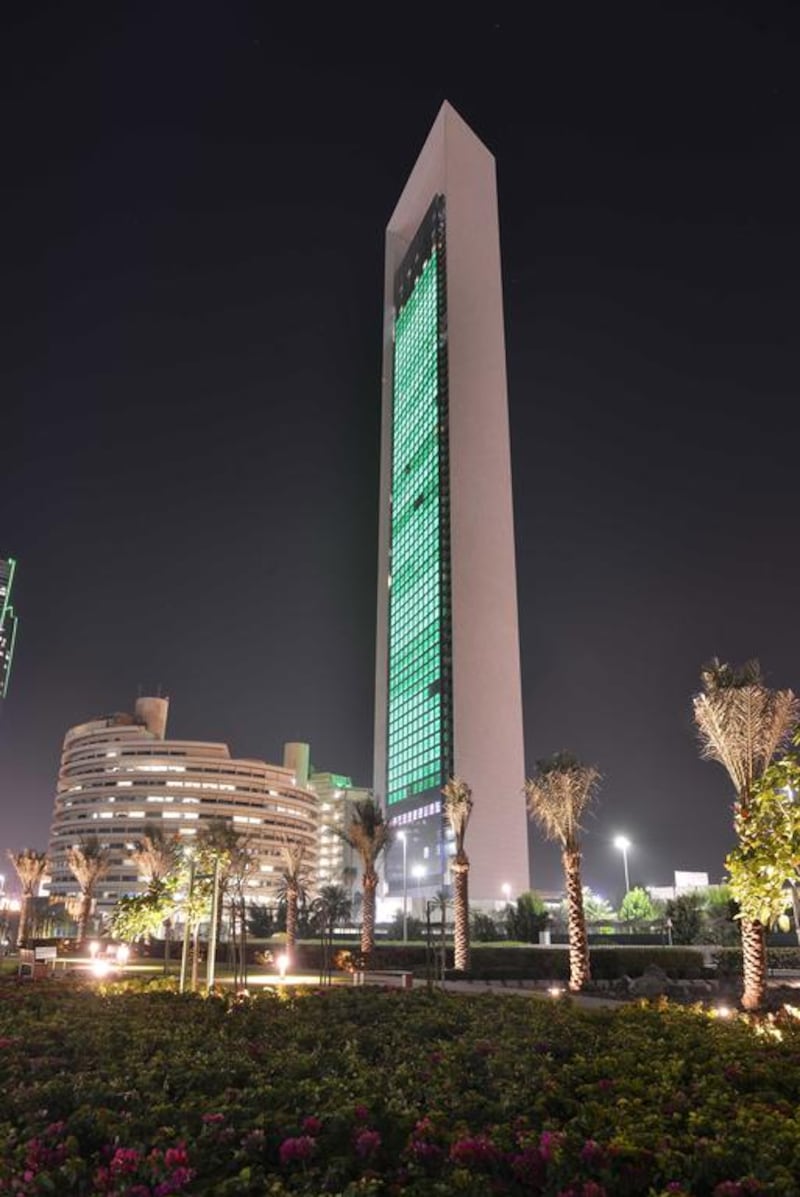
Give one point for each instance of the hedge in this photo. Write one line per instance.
(729, 960)
(529, 963)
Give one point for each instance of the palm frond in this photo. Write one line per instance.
(30, 866)
(458, 808)
(558, 794)
(741, 723)
(367, 832)
(88, 861)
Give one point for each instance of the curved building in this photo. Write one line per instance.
(119, 774)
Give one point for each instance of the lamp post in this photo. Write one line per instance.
(506, 888)
(623, 844)
(402, 838)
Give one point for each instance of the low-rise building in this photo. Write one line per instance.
(120, 775)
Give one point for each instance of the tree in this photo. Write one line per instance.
(88, 861)
(742, 724)
(458, 809)
(558, 794)
(141, 915)
(527, 918)
(766, 858)
(685, 914)
(637, 907)
(483, 928)
(30, 867)
(156, 855)
(260, 920)
(330, 908)
(721, 916)
(292, 886)
(597, 908)
(368, 833)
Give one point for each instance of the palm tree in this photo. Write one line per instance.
(368, 834)
(292, 887)
(558, 794)
(458, 808)
(88, 861)
(742, 725)
(331, 907)
(30, 867)
(155, 854)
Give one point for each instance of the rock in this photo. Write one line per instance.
(653, 982)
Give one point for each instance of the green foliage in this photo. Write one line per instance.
(686, 913)
(483, 928)
(261, 921)
(135, 917)
(527, 918)
(637, 907)
(720, 910)
(415, 928)
(298, 1094)
(767, 855)
(597, 909)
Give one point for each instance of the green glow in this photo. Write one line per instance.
(416, 750)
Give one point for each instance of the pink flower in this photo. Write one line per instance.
(301, 1148)
(212, 1118)
(473, 1152)
(124, 1161)
(361, 1113)
(549, 1142)
(591, 1152)
(175, 1156)
(367, 1143)
(592, 1189)
(312, 1125)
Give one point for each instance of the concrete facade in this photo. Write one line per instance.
(119, 774)
(480, 667)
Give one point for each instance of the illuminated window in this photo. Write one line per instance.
(419, 693)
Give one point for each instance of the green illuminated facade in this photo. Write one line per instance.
(419, 716)
(8, 623)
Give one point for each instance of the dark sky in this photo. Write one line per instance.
(193, 205)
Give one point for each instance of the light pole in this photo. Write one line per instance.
(623, 844)
(402, 837)
(187, 924)
(506, 892)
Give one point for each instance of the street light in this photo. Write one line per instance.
(402, 838)
(623, 844)
(506, 888)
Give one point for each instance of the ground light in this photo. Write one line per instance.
(283, 963)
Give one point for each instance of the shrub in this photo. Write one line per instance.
(362, 1092)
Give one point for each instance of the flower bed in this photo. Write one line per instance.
(352, 1092)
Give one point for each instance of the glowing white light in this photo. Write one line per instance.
(283, 964)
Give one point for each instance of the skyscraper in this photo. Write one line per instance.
(8, 623)
(448, 693)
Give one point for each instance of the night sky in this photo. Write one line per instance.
(193, 205)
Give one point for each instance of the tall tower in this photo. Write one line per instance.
(8, 624)
(448, 693)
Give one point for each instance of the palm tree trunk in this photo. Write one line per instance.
(24, 918)
(754, 957)
(460, 868)
(291, 916)
(579, 970)
(84, 911)
(369, 884)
